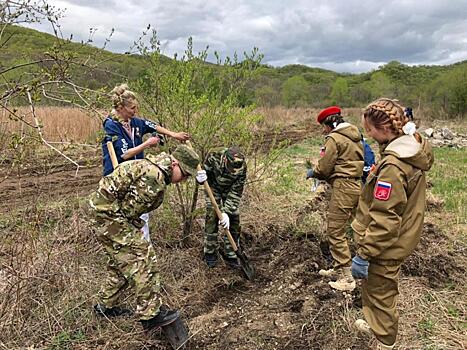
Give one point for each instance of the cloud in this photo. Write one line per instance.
(352, 36)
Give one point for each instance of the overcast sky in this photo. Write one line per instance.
(341, 35)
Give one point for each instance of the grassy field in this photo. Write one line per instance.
(51, 264)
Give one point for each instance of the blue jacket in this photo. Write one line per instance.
(115, 132)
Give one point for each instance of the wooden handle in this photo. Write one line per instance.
(208, 190)
(113, 156)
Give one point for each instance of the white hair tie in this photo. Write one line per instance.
(410, 128)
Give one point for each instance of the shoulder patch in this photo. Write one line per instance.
(322, 151)
(382, 190)
(150, 124)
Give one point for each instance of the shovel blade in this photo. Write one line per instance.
(177, 334)
(247, 268)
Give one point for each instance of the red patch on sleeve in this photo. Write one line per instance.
(382, 190)
(322, 152)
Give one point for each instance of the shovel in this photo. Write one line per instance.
(113, 156)
(247, 268)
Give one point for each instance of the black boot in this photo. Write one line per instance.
(211, 259)
(110, 312)
(163, 318)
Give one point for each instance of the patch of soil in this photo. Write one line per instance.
(287, 306)
(432, 260)
(51, 182)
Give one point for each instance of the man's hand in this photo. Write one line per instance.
(309, 173)
(201, 176)
(360, 268)
(225, 221)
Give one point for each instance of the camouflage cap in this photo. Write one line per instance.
(187, 158)
(234, 159)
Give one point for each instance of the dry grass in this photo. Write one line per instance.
(59, 124)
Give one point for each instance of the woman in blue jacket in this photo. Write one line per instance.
(126, 132)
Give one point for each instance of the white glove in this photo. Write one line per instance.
(314, 185)
(225, 221)
(201, 176)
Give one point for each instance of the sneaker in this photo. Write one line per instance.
(327, 273)
(362, 326)
(211, 259)
(115, 311)
(163, 318)
(381, 346)
(345, 282)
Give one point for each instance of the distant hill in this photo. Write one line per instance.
(442, 88)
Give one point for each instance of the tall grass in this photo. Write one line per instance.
(59, 124)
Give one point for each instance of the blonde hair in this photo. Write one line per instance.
(121, 95)
(385, 112)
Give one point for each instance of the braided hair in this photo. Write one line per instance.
(121, 95)
(386, 113)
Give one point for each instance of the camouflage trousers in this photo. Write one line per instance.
(344, 201)
(132, 264)
(211, 229)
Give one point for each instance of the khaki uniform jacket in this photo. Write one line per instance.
(389, 217)
(341, 155)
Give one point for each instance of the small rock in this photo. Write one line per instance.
(447, 134)
(429, 132)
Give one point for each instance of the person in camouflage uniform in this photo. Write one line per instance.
(226, 174)
(136, 187)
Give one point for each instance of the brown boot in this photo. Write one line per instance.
(345, 281)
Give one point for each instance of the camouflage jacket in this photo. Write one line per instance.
(226, 186)
(135, 187)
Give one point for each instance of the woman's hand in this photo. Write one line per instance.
(152, 141)
(181, 136)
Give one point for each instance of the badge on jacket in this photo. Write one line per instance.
(322, 152)
(382, 190)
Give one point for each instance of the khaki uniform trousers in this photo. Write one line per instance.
(344, 201)
(379, 299)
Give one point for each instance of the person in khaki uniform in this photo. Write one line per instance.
(341, 164)
(389, 218)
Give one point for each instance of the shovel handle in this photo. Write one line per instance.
(208, 190)
(113, 156)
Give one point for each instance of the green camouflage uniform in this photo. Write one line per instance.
(227, 187)
(135, 187)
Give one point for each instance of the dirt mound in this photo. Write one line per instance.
(432, 259)
(288, 306)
